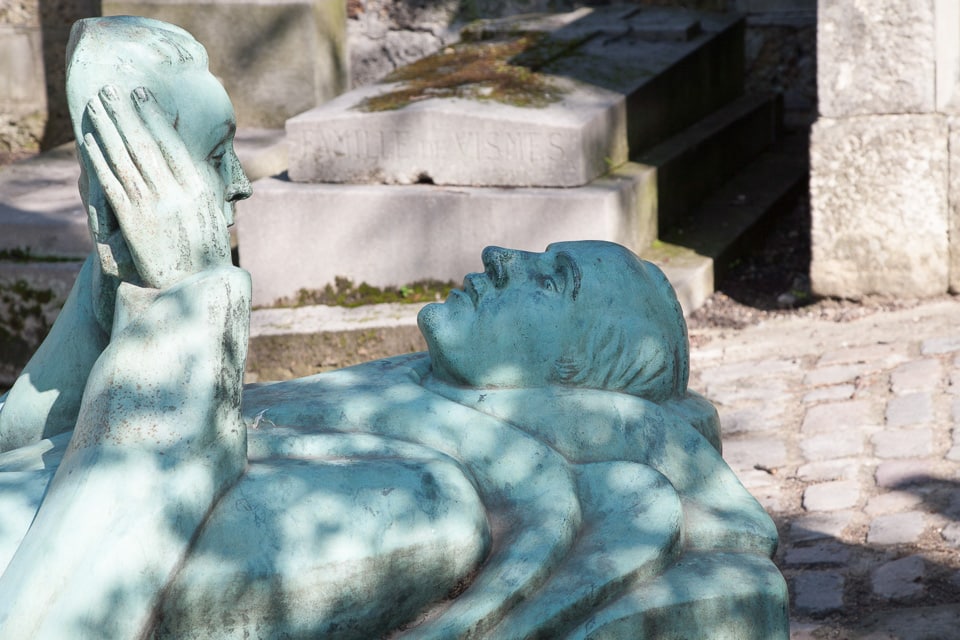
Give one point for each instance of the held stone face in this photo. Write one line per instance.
(543, 471)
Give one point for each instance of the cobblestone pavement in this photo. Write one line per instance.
(849, 434)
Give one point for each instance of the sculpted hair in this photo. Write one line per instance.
(634, 337)
(128, 52)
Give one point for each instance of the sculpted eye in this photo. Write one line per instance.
(216, 156)
(548, 283)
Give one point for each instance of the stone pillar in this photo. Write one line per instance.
(880, 153)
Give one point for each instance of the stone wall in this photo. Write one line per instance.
(883, 178)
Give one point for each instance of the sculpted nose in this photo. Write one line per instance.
(238, 185)
(496, 263)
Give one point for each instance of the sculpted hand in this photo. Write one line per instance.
(169, 205)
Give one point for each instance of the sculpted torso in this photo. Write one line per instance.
(541, 472)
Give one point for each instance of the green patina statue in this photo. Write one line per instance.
(542, 471)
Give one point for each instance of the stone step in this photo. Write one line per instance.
(296, 236)
(397, 234)
(697, 251)
(550, 102)
(301, 341)
(698, 160)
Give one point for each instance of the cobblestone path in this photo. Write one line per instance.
(849, 434)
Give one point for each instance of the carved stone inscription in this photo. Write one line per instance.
(386, 145)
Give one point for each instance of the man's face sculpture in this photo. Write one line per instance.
(207, 127)
(505, 327)
(587, 314)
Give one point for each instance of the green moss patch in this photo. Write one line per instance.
(502, 71)
(344, 293)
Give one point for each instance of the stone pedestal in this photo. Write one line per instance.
(518, 136)
(296, 236)
(879, 196)
(888, 71)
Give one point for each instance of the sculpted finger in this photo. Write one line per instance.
(115, 194)
(137, 143)
(113, 149)
(175, 154)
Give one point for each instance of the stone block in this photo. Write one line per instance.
(21, 67)
(460, 142)
(394, 235)
(831, 496)
(944, 344)
(823, 470)
(910, 409)
(892, 502)
(897, 474)
(817, 526)
(899, 579)
(876, 57)
(954, 215)
(275, 59)
(745, 453)
(834, 416)
(917, 375)
(818, 592)
(821, 553)
(896, 528)
(546, 105)
(878, 190)
(903, 443)
(836, 374)
(830, 394)
(828, 446)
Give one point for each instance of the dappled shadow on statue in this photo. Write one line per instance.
(542, 472)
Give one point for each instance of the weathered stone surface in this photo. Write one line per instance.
(899, 579)
(829, 394)
(901, 473)
(21, 72)
(896, 528)
(903, 443)
(817, 526)
(501, 124)
(944, 344)
(820, 553)
(876, 57)
(823, 470)
(917, 375)
(818, 592)
(274, 59)
(461, 141)
(954, 215)
(838, 444)
(832, 416)
(872, 179)
(413, 232)
(831, 496)
(892, 502)
(910, 409)
(744, 453)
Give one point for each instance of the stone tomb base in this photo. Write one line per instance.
(302, 236)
